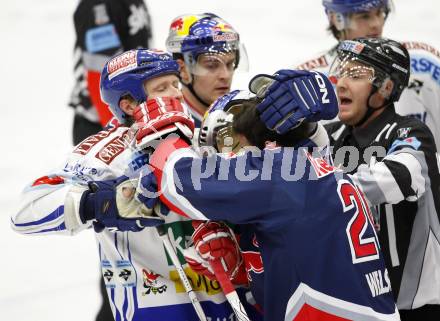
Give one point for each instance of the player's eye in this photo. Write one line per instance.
(211, 64)
(231, 65)
(176, 84)
(160, 88)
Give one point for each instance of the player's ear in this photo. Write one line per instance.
(185, 75)
(386, 88)
(127, 106)
(382, 94)
(337, 20)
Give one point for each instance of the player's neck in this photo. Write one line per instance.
(193, 102)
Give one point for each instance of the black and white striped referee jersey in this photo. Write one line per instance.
(395, 163)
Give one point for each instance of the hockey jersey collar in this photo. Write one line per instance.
(364, 136)
(195, 113)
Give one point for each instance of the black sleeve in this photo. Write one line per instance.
(331, 128)
(132, 22)
(93, 23)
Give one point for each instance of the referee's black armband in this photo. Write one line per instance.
(402, 176)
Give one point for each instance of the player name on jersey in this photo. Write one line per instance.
(378, 282)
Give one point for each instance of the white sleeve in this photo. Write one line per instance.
(400, 176)
(50, 205)
(49, 209)
(422, 97)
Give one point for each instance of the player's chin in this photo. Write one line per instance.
(220, 91)
(346, 117)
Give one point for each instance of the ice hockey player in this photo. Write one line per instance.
(103, 28)
(209, 51)
(216, 133)
(349, 19)
(214, 127)
(141, 281)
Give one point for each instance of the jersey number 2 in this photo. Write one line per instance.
(362, 248)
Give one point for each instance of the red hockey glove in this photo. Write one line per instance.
(197, 263)
(160, 116)
(212, 241)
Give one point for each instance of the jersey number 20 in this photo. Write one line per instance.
(362, 248)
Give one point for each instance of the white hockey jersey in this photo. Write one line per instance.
(422, 97)
(141, 281)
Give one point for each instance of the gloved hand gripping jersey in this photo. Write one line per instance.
(113, 204)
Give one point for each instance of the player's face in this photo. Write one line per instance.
(353, 87)
(366, 24)
(163, 86)
(213, 76)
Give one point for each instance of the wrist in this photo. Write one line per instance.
(87, 206)
(72, 215)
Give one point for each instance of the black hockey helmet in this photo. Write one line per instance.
(388, 59)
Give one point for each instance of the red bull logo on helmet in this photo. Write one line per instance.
(225, 37)
(181, 25)
(177, 24)
(223, 27)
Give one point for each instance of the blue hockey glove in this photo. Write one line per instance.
(293, 96)
(148, 192)
(113, 204)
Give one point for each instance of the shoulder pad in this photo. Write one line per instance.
(315, 63)
(413, 45)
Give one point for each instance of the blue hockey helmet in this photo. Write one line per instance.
(194, 34)
(216, 129)
(126, 73)
(352, 6)
(339, 11)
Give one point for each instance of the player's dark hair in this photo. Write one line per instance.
(177, 55)
(334, 31)
(247, 123)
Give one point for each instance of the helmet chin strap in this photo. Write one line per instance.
(371, 110)
(190, 85)
(191, 89)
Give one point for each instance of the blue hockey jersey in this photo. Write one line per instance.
(320, 252)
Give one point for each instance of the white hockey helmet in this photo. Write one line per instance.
(216, 129)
